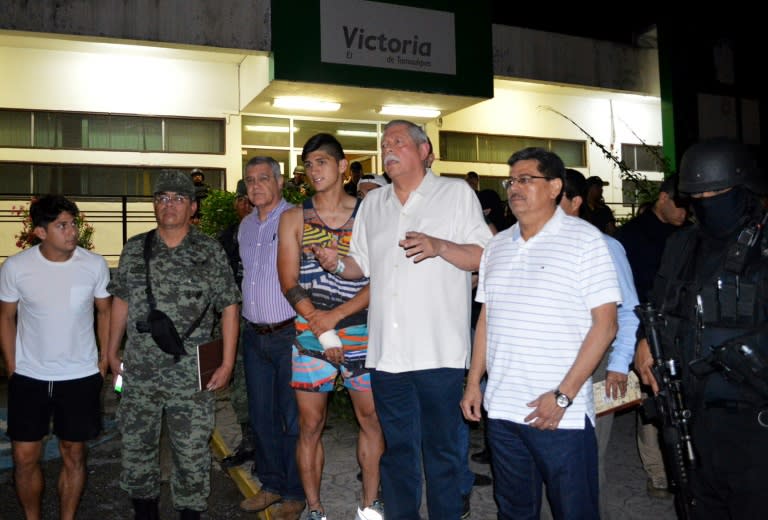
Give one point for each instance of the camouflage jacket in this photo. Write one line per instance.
(185, 279)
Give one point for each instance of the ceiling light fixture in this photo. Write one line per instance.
(409, 111)
(357, 133)
(267, 128)
(302, 103)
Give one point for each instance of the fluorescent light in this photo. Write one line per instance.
(301, 103)
(401, 110)
(267, 128)
(356, 133)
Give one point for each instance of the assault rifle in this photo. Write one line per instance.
(668, 409)
(739, 363)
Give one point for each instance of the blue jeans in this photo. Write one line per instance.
(272, 410)
(524, 457)
(467, 476)
(420, 416)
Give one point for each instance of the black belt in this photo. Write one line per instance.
(269, 328)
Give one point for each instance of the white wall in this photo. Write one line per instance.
(517, 109)
(48, 74)
(108, 77)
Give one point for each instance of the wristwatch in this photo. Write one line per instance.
(562, 400)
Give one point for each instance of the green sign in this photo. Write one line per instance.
(443, 47)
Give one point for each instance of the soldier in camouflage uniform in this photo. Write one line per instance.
(237, 392)
(190, 277)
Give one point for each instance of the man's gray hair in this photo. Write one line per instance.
(417, 133)
(263, 159)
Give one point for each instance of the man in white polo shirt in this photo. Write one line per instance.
(549, 292)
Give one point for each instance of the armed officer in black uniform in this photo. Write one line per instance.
(711, 293)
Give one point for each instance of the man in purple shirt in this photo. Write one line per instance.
(267, 340)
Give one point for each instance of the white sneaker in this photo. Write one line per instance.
(373, 512)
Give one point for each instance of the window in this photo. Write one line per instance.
(283, 138)
(79, 179)
(490, 148)
(486, 182)
(84, 131)
(644, 158)
(15, 128)
(194, 135)
(352, 136)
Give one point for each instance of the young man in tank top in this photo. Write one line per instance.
(331, 324)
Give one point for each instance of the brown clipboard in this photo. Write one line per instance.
(209, 358)
(632, 398)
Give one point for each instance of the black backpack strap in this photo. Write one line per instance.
(147, 257)
(151, 297)
(196, 323)
(357, 206)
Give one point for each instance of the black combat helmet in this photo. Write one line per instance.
(715, 164)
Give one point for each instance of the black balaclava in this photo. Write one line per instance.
(721, 215)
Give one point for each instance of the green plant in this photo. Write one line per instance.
(217, 212)
(26, 237)
(297, 194)
(340, 404)
(645, 190)
(218, 208)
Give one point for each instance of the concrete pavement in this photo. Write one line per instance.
(103, 499)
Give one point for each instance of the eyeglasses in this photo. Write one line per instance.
(261, 179)
(61, 226)
(165, 200)
(523, 180)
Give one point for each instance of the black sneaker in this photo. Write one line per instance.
(481, 457)
(239, 457)
(482, 480)
(465, 512)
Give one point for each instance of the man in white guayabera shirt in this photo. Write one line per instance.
(418, 240)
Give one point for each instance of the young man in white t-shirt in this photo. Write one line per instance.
(47, 297)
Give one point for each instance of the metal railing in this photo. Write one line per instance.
(115, 218)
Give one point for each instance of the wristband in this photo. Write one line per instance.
(295, 294)
(339, 267)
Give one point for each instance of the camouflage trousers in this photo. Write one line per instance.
(166, 392)
(237, 392)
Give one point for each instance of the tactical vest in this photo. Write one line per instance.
(715, 321)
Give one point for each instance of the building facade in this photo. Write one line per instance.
(100, 95)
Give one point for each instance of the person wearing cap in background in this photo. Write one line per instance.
(228, 236)
(237, 391)
(596, 212)
(473, 179)
(191, 282)
(299, 179)
(643, 238)
(356, 172)
(201, 192)
(614, 366)
(712, 297)
(369, 182)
